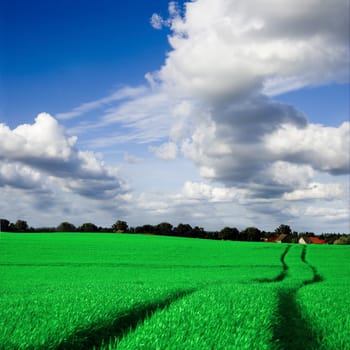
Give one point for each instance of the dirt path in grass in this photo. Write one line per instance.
(97, 334)
(283, 274)
(291, 330)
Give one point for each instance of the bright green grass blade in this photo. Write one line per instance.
(83, 290)
(217, 317)
(57, 285)
(327, 304)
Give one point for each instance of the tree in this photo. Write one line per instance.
(342, 240)
(88, 227)
(228, 233)
(5, 225)
(251, 234)
(212, 235)
(184, 230)
(120, 226)
(164, 228)
(283, 229)
(66, 227)
(198, 232)
(330, 237)
(21, 226)
(145, 229)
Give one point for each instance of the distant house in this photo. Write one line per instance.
(311, 240)
(282, 238)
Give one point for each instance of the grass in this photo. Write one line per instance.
(328, 303)
(215, 317)
(113, 291)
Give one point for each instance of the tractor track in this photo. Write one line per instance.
(291, 330)
(99, 333)
(283, 274)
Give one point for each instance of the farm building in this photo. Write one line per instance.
(282, 238)
(311, 240)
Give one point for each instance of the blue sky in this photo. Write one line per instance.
(216, 114)
(67, 52)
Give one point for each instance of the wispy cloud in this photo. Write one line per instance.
(146, 118)
(121, 94)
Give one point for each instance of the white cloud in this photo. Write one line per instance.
(212, 102)
(155, 207)
(44, 139)
(316, 190)
(131, 159)
(145, 115)
(51, 207)
(316, 218)
(202, 191)
(157, 21)
(43, 149)
(210, 96)
(327, 213)
(226, 48)
(229, 56)
(150, 117)
(324, 148)
(19, 176)
(166, 151)
(292, 175)
(121, 94)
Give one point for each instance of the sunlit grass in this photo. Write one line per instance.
(62, 291)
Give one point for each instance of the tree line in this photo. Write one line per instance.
(249, 234)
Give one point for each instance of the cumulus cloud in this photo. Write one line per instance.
(226, 48)
(213, 95)
(43, 140)
(231, 57)
(213, 102)
(203, 191)
(19, 176)
(324, 148)
(157, 22)
(43, 149)
(291, 175)
(326, 213)
(166, 151)
(316, 190)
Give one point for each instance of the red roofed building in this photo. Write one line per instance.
(316, 240)
(312, 240)
(282, 238)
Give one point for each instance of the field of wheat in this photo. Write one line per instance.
(118, 291)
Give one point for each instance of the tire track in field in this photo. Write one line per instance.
(99, 333)
(291, 331)
(283, 274)
(316, 276)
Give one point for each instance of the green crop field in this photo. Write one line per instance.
(116, 291)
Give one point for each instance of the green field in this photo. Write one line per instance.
(116, 291)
